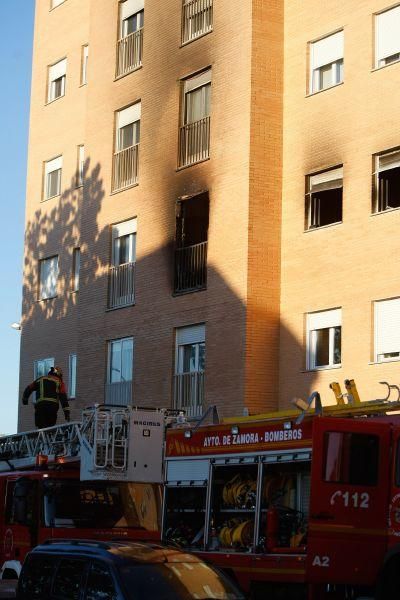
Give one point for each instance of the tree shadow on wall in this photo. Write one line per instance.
(81, 322)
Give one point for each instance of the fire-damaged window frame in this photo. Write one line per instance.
(386, 181)
(191, 243)
(328, 183)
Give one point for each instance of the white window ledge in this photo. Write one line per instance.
(325, 368)
(335, 85)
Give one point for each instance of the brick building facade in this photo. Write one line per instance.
(201, 226)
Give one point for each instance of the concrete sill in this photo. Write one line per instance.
(331, 87)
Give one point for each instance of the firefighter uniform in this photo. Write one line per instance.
(50, 393)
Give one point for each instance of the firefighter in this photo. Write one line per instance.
(50, 393)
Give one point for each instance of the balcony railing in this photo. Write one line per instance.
(190, 268)
(194, 142)
(125, 168)
(197, 19)
(129, 53)
(119, 393)
(121, 285)
(189, 393)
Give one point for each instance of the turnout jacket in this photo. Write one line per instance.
(48, 388)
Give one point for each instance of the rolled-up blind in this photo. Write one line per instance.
(387, 326)
(327, 50)
(131, 7)
(387, 33)
(58, 70)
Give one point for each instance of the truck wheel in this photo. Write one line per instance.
(389, 581)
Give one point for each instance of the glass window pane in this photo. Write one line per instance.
(326, 79)
(100, 584)
(68, 580)
(189, 358)
(115, 362)
(195, 109)
(337, 346)
(53, 183)
(126, 136)
(351, 458)
(38, 573)
(202, 356)
(321, 347)
(127, 360)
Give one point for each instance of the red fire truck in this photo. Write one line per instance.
(293, 507)
(81, 480)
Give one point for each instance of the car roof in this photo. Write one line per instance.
(139, 552)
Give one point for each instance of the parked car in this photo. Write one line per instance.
(92, 570)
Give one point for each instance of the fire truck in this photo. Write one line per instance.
(297, 504)
(100, 478)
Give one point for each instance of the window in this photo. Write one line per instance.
(191, 243)
(72, 376)
(189, 369)
(126, 155)
(387, 329)
(124, 243)
(326, 56)
(42, 367)
(131, 17)
(76, 267)
(351, 458)
(387, 37)
(194, 142)
(120, 360)
(197, 19)
(69, 579)
(324, 198)
(37, 577)
(52, 177)
(48, 278)
(197, 97)
(324, 339)
(387, 181)
(122, 271)
(56, 80)
(191, 349)
(100, 584)
(130, 42)
(128, 127)
(85, 58)
(80, 166)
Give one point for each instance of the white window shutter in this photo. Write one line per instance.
(389, 161)
(124, 228)
(53, 165)
(387, 326)
(327, 50)
(328, 180)
(195, 334)
(129, 115)
(324, 319)
(131, 7)
(198, 81)
(58, 70)
(387, 33)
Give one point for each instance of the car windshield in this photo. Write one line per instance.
(177, 581)
(101, 504)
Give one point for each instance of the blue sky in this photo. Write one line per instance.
(15, 76)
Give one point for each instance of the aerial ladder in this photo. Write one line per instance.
(110, 443)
